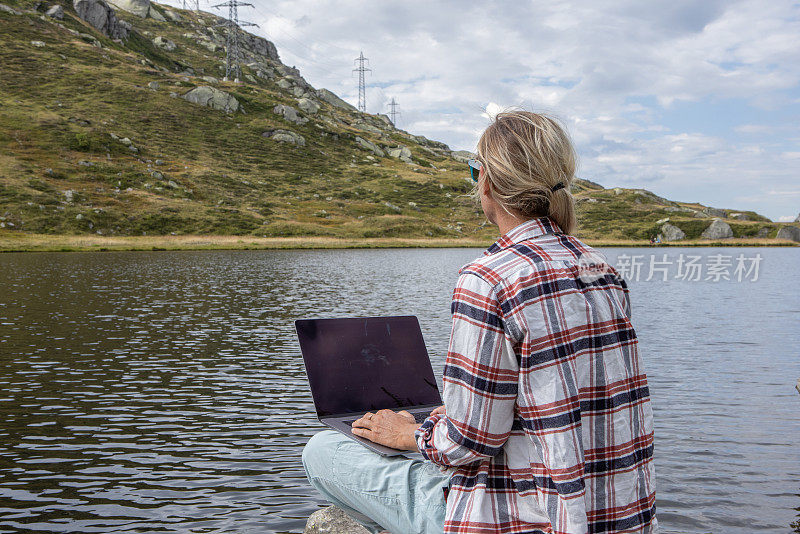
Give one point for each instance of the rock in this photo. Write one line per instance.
(368, 145)
(79, 216)
(69, 195)
(671, 232)
(361, 125)
(283, 83)
(763, 232)
(333, 520)
(298, 91)
(139, 8)
(699, 215)
(618, 190)
(172, 15)
(250, 78)
(102, 17)
(402, 153)
(210, 79)
(153, 85)
(739, 216)
(289, 113)
(172, 185)
(792, 233)
(462, 155)
(307, 105)
(662, 221)
(286, 136)
(11, 10)
(56, 12)
(38, 44)
(385, 119)
(213, 98)
(156, 15)
(164, 44)
(714, 212)
(333, 100)
(394, 207)
(125, 141)
(718, 229)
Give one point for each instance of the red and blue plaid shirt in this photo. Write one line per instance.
(548, 424)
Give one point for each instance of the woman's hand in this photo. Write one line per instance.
(437, 411)
(393, 429)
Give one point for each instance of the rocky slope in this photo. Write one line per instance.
(114, 120)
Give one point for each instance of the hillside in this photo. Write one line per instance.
(107, 132)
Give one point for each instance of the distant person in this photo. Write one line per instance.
(546, 424)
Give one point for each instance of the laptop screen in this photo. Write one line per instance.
(361, 364)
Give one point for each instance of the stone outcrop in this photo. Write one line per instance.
(6, 9)
(213, 98)
(100, 15)
(739, 216)
(140, 8)
(718, 229)
(285, 136)
(164, 43)
(670, 232)
(333, 100)
(289, 113)
(332, 520)
(714, 212)
(402, 153)
(369, 145)
(462, 155)
(307, 105)
(791, 233)
(56, 12)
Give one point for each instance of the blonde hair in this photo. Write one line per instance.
(525, 156)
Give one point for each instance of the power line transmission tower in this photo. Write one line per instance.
(362, 88)
(232, 54)
(393, 113)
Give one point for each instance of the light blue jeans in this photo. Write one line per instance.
(397, 494)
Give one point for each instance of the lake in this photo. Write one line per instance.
(165, 391)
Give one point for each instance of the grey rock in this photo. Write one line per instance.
(393, 207)
(662, 221)
(385, 119)
(210, 79)
(283, 83)
(125, 141)
(365, 126)
(298, 91)
(739, 216)
(368, 145)
(402, 153)
(102, 17)
(333, 520)
(791, 233)
(714, 212)
(56, 12)
(307, 105)
(38, 44)
(140, 8)
(172, 185)
(462, 155)
(213, 98)
(156, 15)
(289, 113)
(333, 100)
(153, 85)
(699, 215)
(172, 15)
(164, 44)
(79, 216)
(671, 232)
(250, 78)
(69, 195)
(10, 10)
(286, 136)
(718, 229)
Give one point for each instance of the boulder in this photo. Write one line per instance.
(140, 8)
(791, 233)
(462, 155)
(714, 212)
(307, 105)
(368, 145)
(718, 229)
(154, 85)
(213, 98)
(333, 520)
(55, 12)
(172, 15)
(333, 100)
(385, 119)
(164, 43)
(10, 10)
(102, 17)
(739, 216)
(670, 232)
(365, 126)
(402, 153)
(38, 44)
(289, 113)
(286, 136)
(210, 79)
(156, 15)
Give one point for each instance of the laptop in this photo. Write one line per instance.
(365, 364)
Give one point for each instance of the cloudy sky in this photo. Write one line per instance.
(694, 100)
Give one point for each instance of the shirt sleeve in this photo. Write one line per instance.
(480, 380)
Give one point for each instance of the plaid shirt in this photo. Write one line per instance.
(548, 425)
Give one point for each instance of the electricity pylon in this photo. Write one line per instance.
(362, 88)
(393, 113)
(232, 54)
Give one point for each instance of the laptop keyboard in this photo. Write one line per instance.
(418, 417)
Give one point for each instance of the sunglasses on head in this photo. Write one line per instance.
(474, 168)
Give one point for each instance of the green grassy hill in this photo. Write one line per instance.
(97, 138)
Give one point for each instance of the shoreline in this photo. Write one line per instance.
(19, 242)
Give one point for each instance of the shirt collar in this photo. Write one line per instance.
(530, 229)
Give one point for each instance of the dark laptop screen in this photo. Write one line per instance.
(366, 364)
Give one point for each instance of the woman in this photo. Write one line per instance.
(546, 424)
